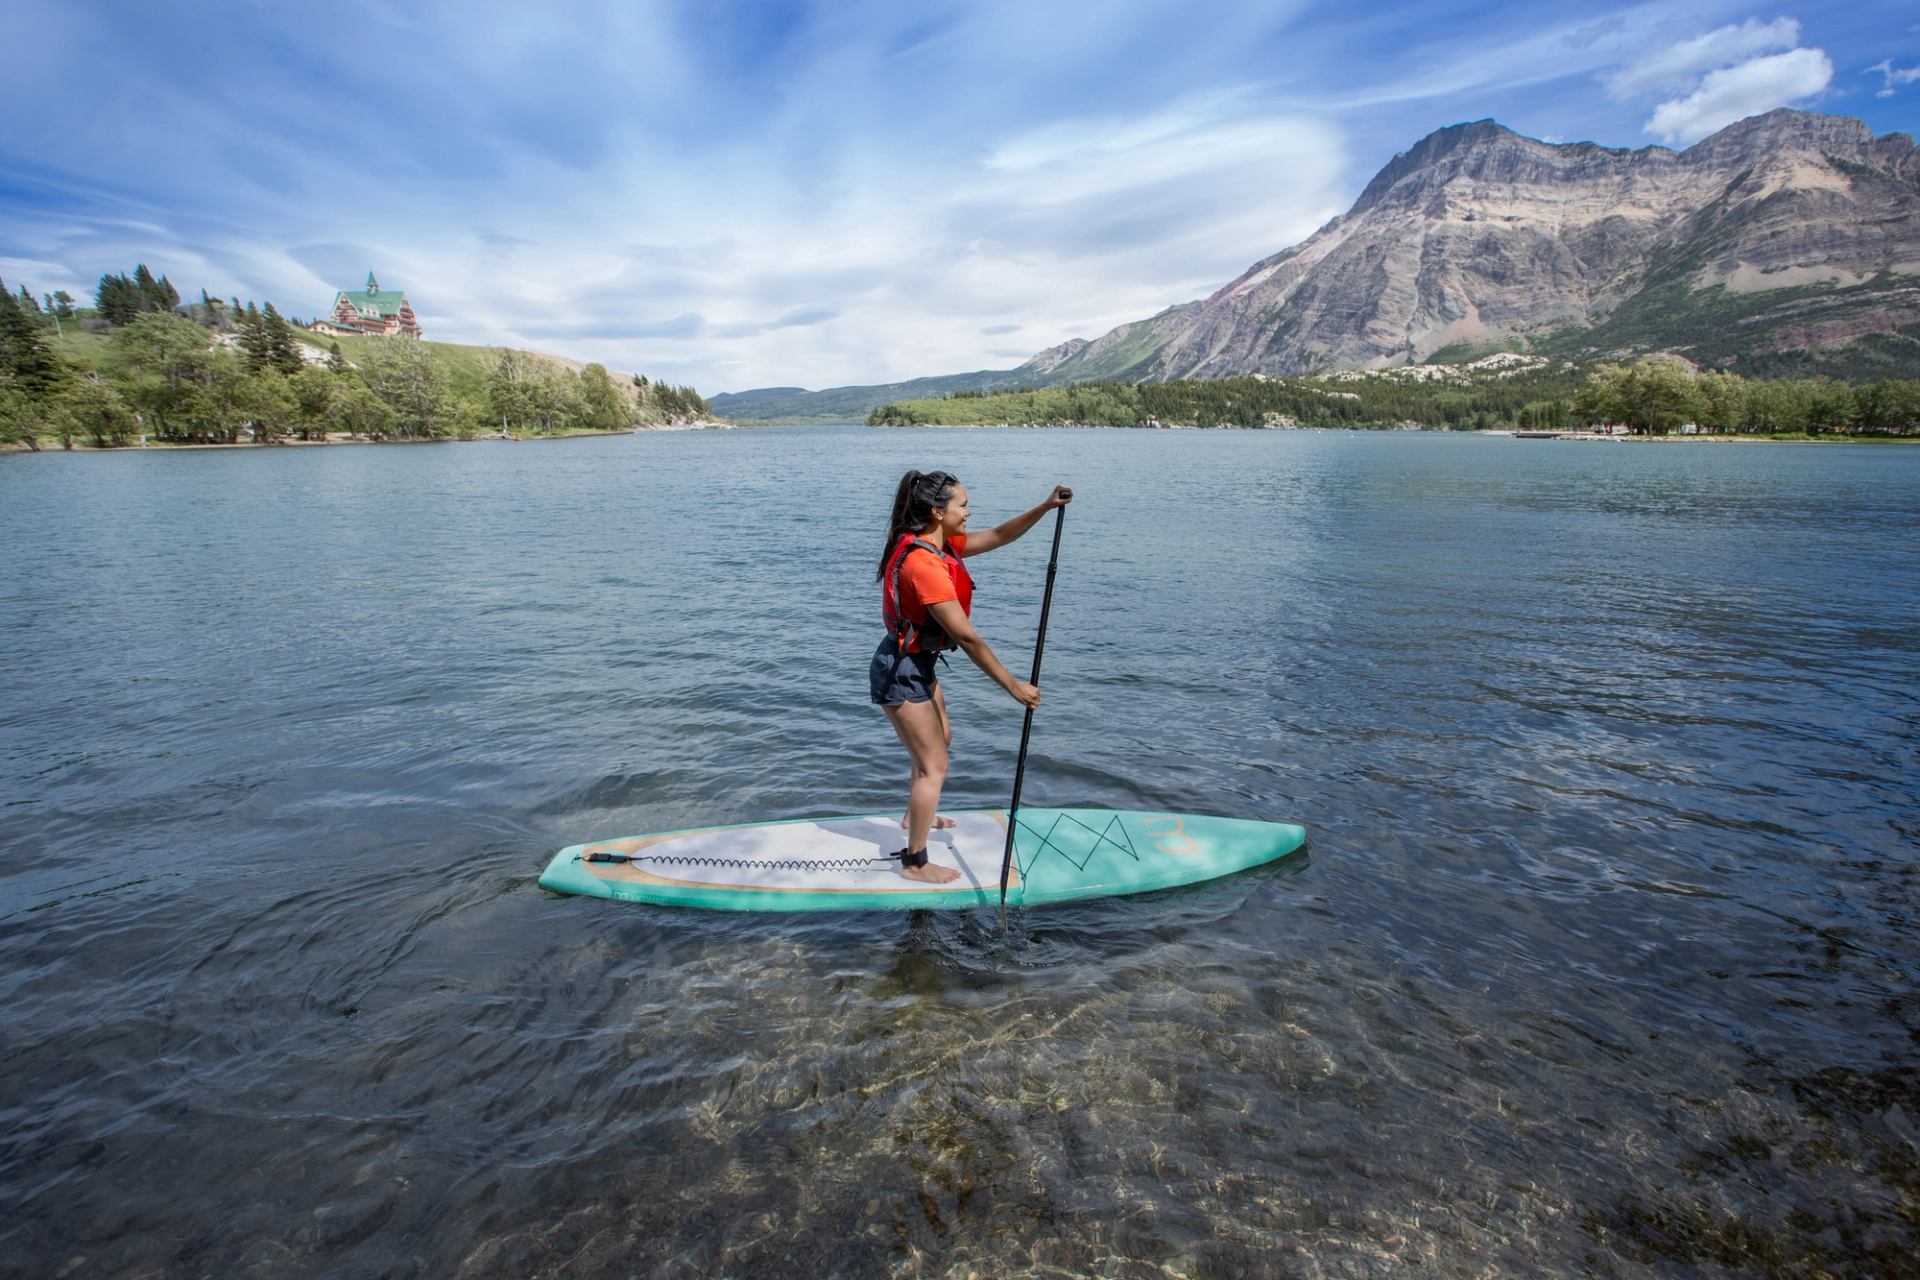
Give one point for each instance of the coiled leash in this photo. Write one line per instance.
(905, 859)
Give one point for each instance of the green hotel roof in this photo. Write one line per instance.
(385, 303)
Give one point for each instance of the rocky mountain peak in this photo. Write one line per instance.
(1478, 136)
(1486, 154)
(1046, 361)
(1783, 128)
(1794, 230)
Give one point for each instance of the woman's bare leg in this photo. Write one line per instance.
(941, 821)
(919, 726)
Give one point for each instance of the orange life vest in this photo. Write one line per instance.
(921, 634)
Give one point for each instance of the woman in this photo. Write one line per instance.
(926, 595)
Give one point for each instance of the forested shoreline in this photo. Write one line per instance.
(1654, 396)
(141, 367)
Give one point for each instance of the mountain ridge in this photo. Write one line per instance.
(1788, 241)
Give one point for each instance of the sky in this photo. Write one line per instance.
(734, 195)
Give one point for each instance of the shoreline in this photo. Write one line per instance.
(1501, 432)
(340, 438)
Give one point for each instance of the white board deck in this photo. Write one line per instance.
(752, 857)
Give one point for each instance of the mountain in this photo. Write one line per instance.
(1783, 233)
(1787, 242)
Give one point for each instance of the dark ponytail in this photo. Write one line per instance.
(914, 503)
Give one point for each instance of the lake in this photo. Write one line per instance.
(1603, 959)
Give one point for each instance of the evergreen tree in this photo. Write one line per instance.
(25, 359)
(118, 299)
(255, 341)
(152, 296)
(335, 360)
(283, 349)
(168, 295)
(61, 304)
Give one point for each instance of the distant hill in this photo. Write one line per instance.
(1787, 243)
(851, 404)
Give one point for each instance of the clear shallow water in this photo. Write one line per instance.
(1603, 961)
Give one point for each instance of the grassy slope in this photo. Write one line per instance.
(466, 367)
(88, 350)
(1713, 326)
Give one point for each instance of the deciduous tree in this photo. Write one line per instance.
(602, 406)
(98, 412)
(508, 400)
(167, 360)
(402, 372)
(21, 418)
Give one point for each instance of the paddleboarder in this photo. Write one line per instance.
(926, 595)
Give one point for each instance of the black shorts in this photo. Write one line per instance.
(895, 678)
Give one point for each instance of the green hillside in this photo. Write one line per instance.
(144, 368)
(852, 404)
(1655, 396)
(466, 367)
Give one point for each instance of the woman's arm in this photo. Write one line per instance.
(1001, 534)
(953, 620)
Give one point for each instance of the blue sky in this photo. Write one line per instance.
(753, 194)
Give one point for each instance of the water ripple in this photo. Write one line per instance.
(1601, 960)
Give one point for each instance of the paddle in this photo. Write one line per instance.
(1026, 729)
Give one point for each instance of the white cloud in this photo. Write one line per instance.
(1734, 93)
(1895, 76)
(42, 276)
(1677, 66)
(731, 276)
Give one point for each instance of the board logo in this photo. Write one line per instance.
(1169, 834)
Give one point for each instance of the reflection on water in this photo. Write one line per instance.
(1602, 962)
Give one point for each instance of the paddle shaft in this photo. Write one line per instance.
(1026, 728)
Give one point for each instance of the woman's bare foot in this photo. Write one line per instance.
(941, 822)
(932, 873)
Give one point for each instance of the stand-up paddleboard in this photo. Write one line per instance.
(841, 864)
